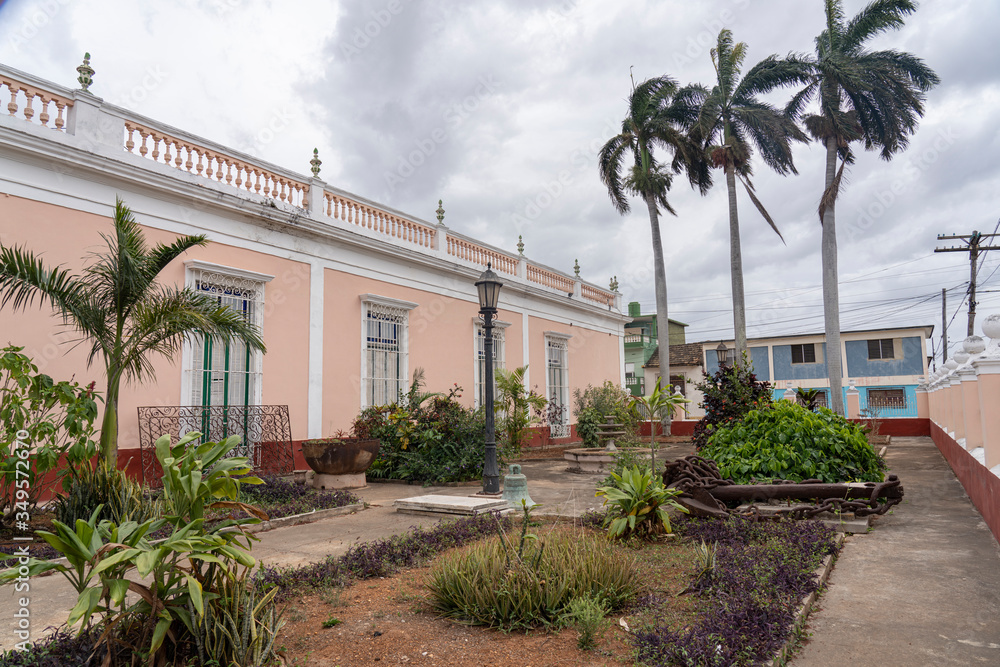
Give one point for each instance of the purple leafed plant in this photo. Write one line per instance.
(60, 649)
(382, 557)
(762, 572)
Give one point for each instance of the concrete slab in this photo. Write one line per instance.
(441, 504)
(844, 523)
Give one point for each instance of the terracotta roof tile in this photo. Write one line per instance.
(688, 354)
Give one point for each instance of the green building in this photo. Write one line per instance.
(640, 343)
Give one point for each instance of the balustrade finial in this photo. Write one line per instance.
(614, 284)
(440, 212)
(576, 267)
(86, 73)
(991, 329)
(315, 162)
(520, 245)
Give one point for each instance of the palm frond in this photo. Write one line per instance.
(830, 195)
(877, 17)
(771, 73)
(162, 254)
(610, 164)
(162, 322)
(760, 207)
(771, 133)
(23, 277)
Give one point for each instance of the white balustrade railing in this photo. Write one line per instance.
(27, 101)
(369, 217)
(215, 165)
(471, 251)
(52, 106)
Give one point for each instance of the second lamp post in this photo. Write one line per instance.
(489, 293)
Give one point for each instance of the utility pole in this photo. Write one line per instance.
(944, 325)
(972, 246)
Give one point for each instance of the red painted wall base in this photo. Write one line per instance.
(982, 486)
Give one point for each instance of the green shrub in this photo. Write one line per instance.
(513, 408)
(120, 497)
(633, 452)
(790, 442)
(608, 399)
(433, 441)
(588, 614)
(727, 396)
(638, 504)
(40, 420)
(490, 583)
(175, 579)
(588, 423)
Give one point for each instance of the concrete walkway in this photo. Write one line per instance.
(923, 588)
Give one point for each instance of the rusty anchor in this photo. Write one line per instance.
(704, 492)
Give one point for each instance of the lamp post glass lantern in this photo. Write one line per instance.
(722, 354)
(489, 293)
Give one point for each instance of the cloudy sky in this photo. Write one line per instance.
(499, 109)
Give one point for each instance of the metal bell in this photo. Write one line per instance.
(515, 488)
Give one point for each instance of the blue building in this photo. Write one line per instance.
(885, 365)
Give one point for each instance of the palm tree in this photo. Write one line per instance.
(659, 114)
(732, 119)
(872, 96)
(117, 305)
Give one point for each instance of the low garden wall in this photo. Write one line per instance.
(981, 485)
(540, 436)
(903, 427)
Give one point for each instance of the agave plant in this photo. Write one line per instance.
(639, 504)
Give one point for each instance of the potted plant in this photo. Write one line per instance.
(340, 461)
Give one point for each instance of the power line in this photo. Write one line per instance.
(972, 247)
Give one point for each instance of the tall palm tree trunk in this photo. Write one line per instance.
(662, 321)
(831, 289)
(109, 425)
(736, 267)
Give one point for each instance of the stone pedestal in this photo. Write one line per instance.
(349, 481)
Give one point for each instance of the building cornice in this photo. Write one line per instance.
(43, 145)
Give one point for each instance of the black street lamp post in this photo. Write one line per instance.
(489, 293)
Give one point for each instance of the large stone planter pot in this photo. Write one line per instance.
(340, 463)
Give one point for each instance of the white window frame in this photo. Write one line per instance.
(395, 308)
(499, 355)
(224, 282)
(558, 340)
(198, 270)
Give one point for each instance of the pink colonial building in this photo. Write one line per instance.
(351, 296)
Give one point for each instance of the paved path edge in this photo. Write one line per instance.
(791, 644)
